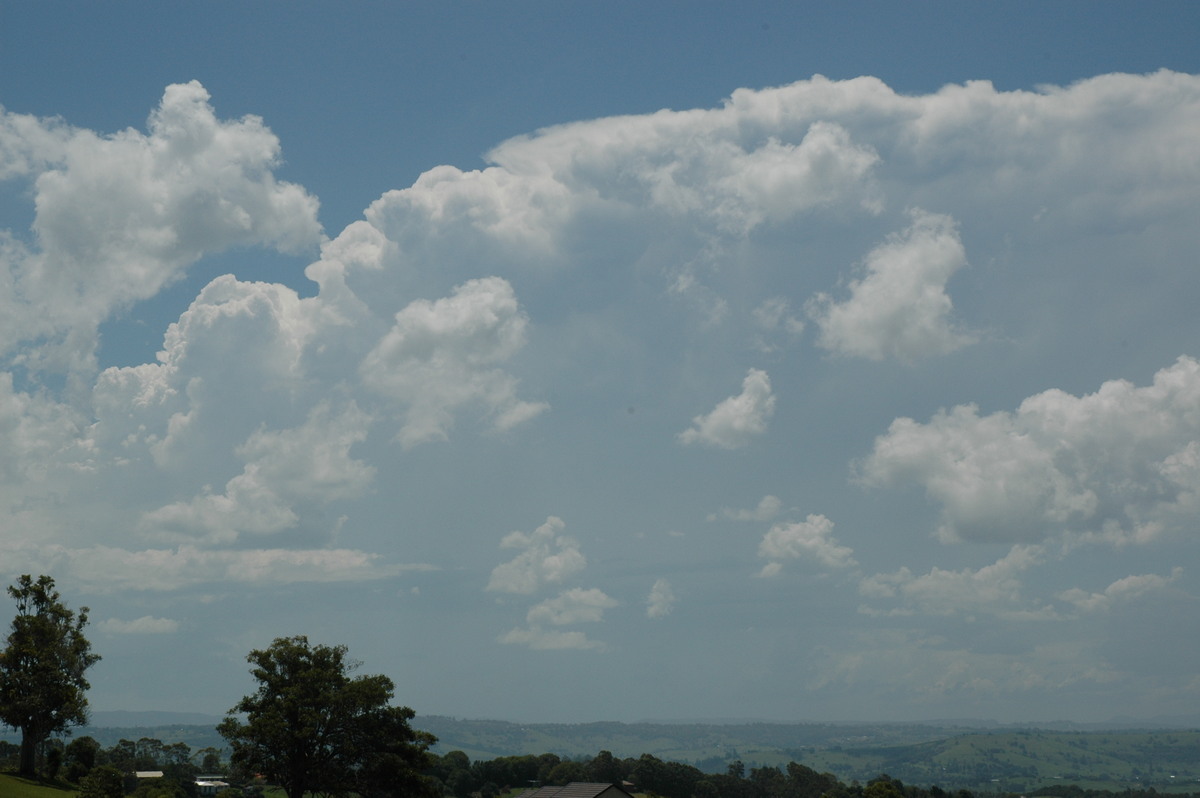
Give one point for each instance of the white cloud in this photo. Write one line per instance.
(119, 217)
(768, 507)
(547, 557)
(309, 463)
(995, 589)
(738, 419)
(146, 625)
(440, 355)
(1125, 589)
(1115, 466)
(811, 539)
(661, 600)
(900, 308)
(570, 607)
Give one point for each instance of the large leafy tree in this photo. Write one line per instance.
(311, 727)
(42, 667)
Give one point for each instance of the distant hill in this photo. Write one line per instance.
(1023, 761)
(124, 719)
(952, 756)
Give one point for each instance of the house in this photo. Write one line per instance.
(578, 789)
(209, 785)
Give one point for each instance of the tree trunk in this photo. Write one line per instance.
(28, 763)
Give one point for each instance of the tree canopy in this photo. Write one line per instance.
(43, 689)
(311, 727)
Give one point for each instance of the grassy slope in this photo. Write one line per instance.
(14, 787)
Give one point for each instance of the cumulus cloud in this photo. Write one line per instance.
(439, 356)
(283, 467)
(146, 625)
(121, 216)
(571, 607)
(734, 422)
(811, 539)
(547, 556)
(900, 308)
(661, 600)
(768, 507)
(995, 589)
(1126, 589)
(1116, 466)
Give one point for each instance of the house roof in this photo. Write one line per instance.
(576, 789)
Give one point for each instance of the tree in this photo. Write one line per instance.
(81, 757)
(42, 684)
(103, 782)
(312, 728)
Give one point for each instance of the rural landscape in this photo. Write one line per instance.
(315, 728)
(600, 399)
(481, 758)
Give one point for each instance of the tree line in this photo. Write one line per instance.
(85, 762)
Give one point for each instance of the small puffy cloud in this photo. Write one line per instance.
(573, 606)
(547, 557)
(768, 507)
(1118, 466)
(146, 625)
(995, 589)
(570, 607)
(661, 600)
(441, 355)
(900, 309)
(1126, 589)
(811, 539)
(738, 419)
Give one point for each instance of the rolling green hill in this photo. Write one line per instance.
(13, 787)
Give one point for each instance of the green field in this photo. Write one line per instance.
(13, 787)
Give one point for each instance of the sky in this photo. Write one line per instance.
(612, 361)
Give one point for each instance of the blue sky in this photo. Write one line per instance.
(611, 361)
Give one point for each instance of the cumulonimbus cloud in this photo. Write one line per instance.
(417, 324)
